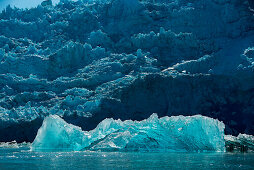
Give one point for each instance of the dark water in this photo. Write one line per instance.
(24, 159)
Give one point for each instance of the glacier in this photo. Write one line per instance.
(88, 60)
(172, 134)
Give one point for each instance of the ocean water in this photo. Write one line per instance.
(25, 159)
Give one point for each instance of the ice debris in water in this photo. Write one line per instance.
(173, 134)
(242, 142)
(14, 144)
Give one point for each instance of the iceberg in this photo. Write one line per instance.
(55, 133)
(171, 134)
(242, 143)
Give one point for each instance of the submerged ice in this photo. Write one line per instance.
(176, 133)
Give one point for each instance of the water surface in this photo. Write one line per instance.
(25, 159)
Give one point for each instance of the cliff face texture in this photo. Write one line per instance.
(89, 60)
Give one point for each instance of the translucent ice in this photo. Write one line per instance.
(176, 133)
(55, 134)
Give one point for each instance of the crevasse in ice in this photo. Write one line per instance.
(176, 133)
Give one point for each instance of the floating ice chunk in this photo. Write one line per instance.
(56, 134)
(242, 142)
(176, 133)
(14, 144)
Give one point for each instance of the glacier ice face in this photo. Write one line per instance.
(176, 133)
(92, 59)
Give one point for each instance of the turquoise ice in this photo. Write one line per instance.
(171, 134)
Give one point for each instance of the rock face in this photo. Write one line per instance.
(175, 134)
(89, 60)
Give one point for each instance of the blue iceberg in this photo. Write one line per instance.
(171, 134)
